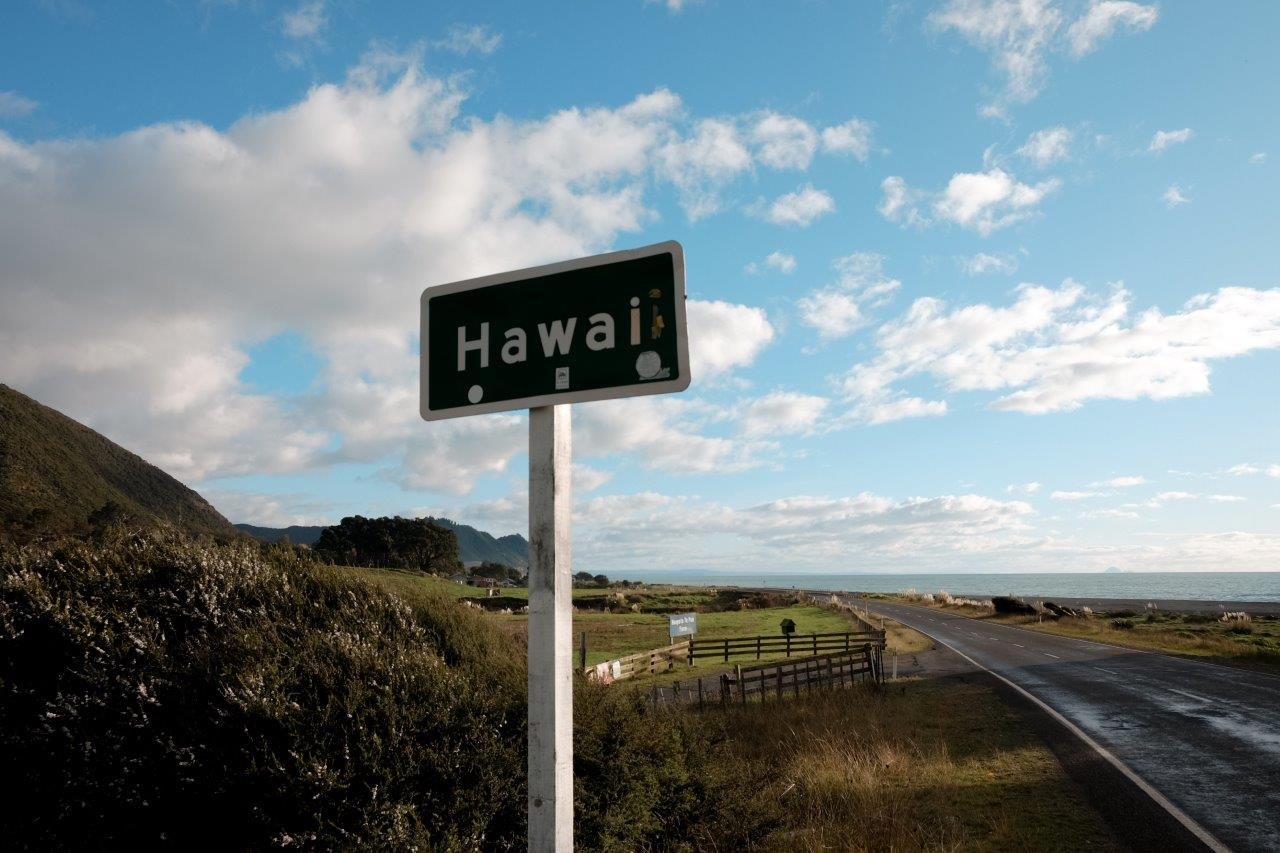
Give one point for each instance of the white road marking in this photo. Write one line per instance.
(993, 638)
(1190, 695)
(1055, 657)
(1112, 671)
(1019, 645)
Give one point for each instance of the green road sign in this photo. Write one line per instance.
(589, 329)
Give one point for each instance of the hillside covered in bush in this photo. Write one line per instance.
(58, 475)
(155, 690)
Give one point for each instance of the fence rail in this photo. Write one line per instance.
(780, 678)
(652, 661)
(789, 644)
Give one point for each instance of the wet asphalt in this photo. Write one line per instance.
(1205, 736)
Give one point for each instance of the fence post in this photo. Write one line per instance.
(795, 680)
(788, 636)
(675, 690)
(724, 690)
(815, 642)
(742, 688)
(726, 649)
(779, 681)
(757, 647)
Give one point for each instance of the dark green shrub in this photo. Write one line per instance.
(155, 690)
(1122, 624)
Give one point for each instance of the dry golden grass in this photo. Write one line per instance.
(921, 765)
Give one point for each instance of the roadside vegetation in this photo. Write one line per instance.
(1235, 639)
(918, 765)
(157, 691)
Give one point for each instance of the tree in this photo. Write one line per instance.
(399, 543)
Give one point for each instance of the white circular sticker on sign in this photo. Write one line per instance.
(648, 364)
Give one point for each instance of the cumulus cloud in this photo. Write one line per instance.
(1048, 146)
(782, 413)
(799, 208)
(702, 163)
(1123, 482)
(991, 200)
(784, 142)
(725, 335)
(1020, 35)
(836, 310)
(1056, 349)
(781, 261)
(317, 218)
(852, 138)
(1023, 488)
(980, 201)
(1173, 196)
(1104, 18)
(463, 39)
(982, 263)
(1168, 138)
(306, 21)
(1258, 158)
(13, 105)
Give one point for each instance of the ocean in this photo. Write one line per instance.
(1191, 586)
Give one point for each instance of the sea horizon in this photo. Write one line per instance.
(1188, 586)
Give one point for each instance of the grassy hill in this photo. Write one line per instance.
(55, 473)
(474, 546)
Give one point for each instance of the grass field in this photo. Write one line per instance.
(612, 635)
(922, 765)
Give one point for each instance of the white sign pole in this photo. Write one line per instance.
(550, 632)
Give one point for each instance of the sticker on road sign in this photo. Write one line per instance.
(615, 323)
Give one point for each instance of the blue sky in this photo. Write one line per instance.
(975, 284)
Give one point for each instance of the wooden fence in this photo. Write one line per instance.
(776, 679)
(650, 662)
(790, 677)
(788, 644)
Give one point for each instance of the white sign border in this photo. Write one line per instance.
(669, 247)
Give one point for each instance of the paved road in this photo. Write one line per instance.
(1207, 737)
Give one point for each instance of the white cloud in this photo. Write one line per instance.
(1108, 513)
(888, 410)
(463, 39)
(588, 479)
(780, 261)
(991, 200)
(307, 21)
(657, 530)
(1224, 499)
(1248, 468)
(1023, 488)
(782, 413)
(13, 105)
(1104, 18)
(1053, 350)
(853, 138)
(333, 209)
(270, 510)
(724, 335)
(1172, 197)
(784, 142)
(836, 310)
(1123, 482)
(1258, 158)
(701, 164)
(981, 201)
(799, 208)
(832, 313)
(1077, 495)
(1021, 34)
(1003, 263)
(1048, 146)
(1168, 138)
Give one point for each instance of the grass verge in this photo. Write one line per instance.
(938, 764)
